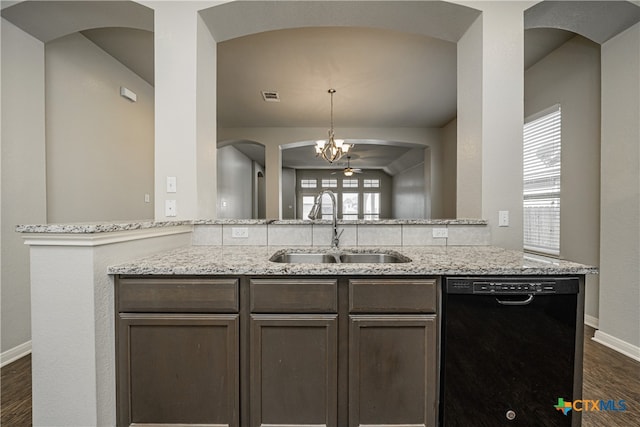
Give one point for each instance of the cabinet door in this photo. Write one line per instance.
(294, 370)
(178, 369)
(392, 370)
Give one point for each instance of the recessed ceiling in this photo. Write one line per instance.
(383, 79)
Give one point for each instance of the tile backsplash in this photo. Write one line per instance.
(319, 234)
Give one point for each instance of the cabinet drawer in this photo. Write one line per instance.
(178, 295)
(392, 296)
(294, 296)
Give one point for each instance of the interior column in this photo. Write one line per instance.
(185, 119)
(490, 119)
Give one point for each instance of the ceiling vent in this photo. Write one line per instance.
(270, 96)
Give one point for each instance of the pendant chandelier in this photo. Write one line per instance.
(332, 149)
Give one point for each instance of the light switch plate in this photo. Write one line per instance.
(440, 233)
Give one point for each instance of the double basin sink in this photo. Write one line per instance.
(338, 257)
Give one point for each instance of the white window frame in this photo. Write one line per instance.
(542, 166)
(309, 183)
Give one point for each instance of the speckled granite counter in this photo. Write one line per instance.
(116, 226)
(97, 227)
(108, 227)
(254, 260)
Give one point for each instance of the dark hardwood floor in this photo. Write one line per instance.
(15, 403)
(610, 375)
(607, 375)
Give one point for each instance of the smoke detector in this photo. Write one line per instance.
(270, 96)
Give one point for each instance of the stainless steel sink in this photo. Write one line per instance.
(376, 258)
(341, 257)
(303, 258)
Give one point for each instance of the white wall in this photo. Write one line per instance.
(449, 169)
(502, 118)
(620, 193)
(469, 123)
(288, 193)
(23, 176)
(100, 146)
(408, 193)
(235, 187)
(570, 76)
(185, 76)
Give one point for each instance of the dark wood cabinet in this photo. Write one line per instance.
(392, 370)
(276, 351)
(393, 355)
(293, 352)
(294, 370)
(177, 368)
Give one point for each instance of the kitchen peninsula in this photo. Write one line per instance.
(86, 279)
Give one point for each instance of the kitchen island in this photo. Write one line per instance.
(77, 269)
(316, 343)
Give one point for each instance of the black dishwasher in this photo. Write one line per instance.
(510, 350)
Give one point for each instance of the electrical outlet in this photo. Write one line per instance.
(170, 208)
(147, 198)
(440, 233)
(503, 218)
(239, 232)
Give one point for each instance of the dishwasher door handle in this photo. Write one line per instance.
(510, 302)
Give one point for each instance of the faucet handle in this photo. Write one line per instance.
(340, 233)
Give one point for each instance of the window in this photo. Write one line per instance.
(308, 183)
(358, 197)
(541, 163)
(371, 202)
(349, 205)
(330, 183)
(307, 204)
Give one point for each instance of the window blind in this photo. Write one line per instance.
(542, 150)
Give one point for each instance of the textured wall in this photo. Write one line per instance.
(620, 197)
(99, 145)
(23, 176)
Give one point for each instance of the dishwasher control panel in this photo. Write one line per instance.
(511, 286)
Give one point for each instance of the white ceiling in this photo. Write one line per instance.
(383, 77)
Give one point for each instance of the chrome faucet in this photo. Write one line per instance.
(315, 212)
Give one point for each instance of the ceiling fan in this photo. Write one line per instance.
(348, 171)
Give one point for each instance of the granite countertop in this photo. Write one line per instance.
(108, 227)
(426, 260)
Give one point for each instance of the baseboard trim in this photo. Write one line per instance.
(592, 321)
(617, 344)
(15, 353)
